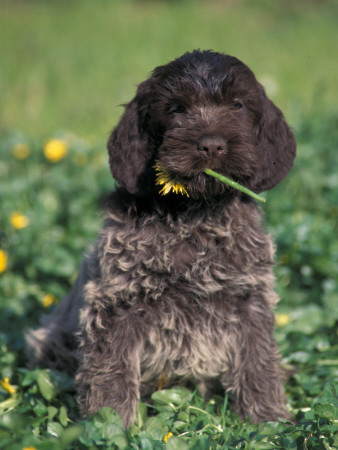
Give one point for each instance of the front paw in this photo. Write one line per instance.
(96, 393)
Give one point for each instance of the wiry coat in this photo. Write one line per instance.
(175, 286)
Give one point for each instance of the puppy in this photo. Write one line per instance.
(180, 285)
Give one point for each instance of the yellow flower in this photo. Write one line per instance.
(19, 220)
(167, 436)
(55, 149)
(49, 300)
(29, 448)
(21, 151)
(282, 319)
(3, 260)
(8, 387)
(170, 183)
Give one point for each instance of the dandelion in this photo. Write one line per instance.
(3, 260)
(167, 436)
(18, 220)
(29, 448)
(55, 149)
(168, 181)
(21, 151)
(49, 300)
(282, 319)
(7, 386)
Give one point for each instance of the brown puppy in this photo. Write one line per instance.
(180, 286)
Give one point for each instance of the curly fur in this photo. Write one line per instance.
(180, 287)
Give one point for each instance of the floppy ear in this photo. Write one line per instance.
(129, 145)
(276, 147)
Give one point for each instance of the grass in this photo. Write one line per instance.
(64, 68)
(69, 65)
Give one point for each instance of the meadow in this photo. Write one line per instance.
(65, 68)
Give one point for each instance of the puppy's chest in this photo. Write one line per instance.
(174, 252)
(189, 340)
(202, 258)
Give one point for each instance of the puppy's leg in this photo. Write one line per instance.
(257, 378)
(109, 373)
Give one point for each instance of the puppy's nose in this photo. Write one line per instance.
(212, 145)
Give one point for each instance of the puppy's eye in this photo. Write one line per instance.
(173, 109)
(237, 105)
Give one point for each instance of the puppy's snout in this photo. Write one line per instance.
(212, 145)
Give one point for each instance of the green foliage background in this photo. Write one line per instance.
(65, 68)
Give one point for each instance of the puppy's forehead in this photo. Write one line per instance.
(204, 71)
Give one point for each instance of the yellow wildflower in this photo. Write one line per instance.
(49, 300)
(3, 260)
(55, 149)
(282, 319)
(167, 436)
(29, 448)
(8, 387)
(18, 220)
(21, 151)
(169, 182)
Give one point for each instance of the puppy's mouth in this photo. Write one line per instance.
(197, 185)
(172, 183)
(182, 163)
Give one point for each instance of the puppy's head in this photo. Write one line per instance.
(203, 110)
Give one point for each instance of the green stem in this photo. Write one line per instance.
(234, 185)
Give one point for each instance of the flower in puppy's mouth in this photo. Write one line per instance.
(168, 181)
